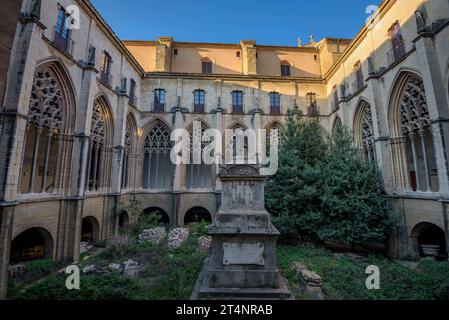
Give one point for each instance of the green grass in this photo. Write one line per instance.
(344, 277)
(167, 274)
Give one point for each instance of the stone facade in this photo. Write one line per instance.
(72, 154)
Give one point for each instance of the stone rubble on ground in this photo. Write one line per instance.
(115, 267)
(16, 270)
(177, 237)
(204, 244)
(90, 269)
(85, 247)
(154, 236)
(311, 283)
(131, 268)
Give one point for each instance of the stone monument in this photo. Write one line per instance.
(243, 254)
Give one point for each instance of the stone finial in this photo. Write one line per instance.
(299, 42)
(312, 39)
(421, 24)
(91, 56)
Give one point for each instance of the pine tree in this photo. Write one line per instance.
(324, 190)
(293, 194)
(353, 201)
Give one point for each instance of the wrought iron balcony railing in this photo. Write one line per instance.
(62, 40)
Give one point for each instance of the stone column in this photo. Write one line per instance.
(13, 127)
(437, 105)
(249, 57)
(381, 134)
(6, 223)
(178, 177)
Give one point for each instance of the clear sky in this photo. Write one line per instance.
(275, 22)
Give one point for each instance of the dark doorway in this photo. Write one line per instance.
(89, 230)
(32, 244)
(123, 220)
(197, 214)
(164, 218)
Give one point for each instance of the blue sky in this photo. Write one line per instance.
(275, 22)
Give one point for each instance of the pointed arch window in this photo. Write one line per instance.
(43, 134)
(157, 165)
(368, 146)
(97, 159)
(127, 151)
(198, 175)
(415, 125)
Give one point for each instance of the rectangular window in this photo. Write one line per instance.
(311, 100)
(275, 103)
(159, 100)
(360, 81)
(132, 92)
(105, 69)
(285, 70)
(207, 67)
(237, 102)
(336, 99)
(62, 33)
(199, 97)
(397, 43)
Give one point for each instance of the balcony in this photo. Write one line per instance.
(357, 86)
(198, 108)
(159, 107)
(237, 109)
(396, 53)
(62, 40)
(106, 78)
(275, 110)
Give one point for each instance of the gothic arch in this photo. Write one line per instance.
(155, 148)
(411, 145)
(51, 117)
(364, 130)
(198, 175)
(129, 152)
(337, 123)
(394, 97)
(237, 124)
(100, 146)
(275, 124)
(147, 128)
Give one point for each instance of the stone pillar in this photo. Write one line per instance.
(437, 106)
(178, 177)
(12, 131)
(163, 54)
(243, 258)
(6, 223)
(249, 57)
(381, 133)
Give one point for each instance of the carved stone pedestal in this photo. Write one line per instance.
(243, 257)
